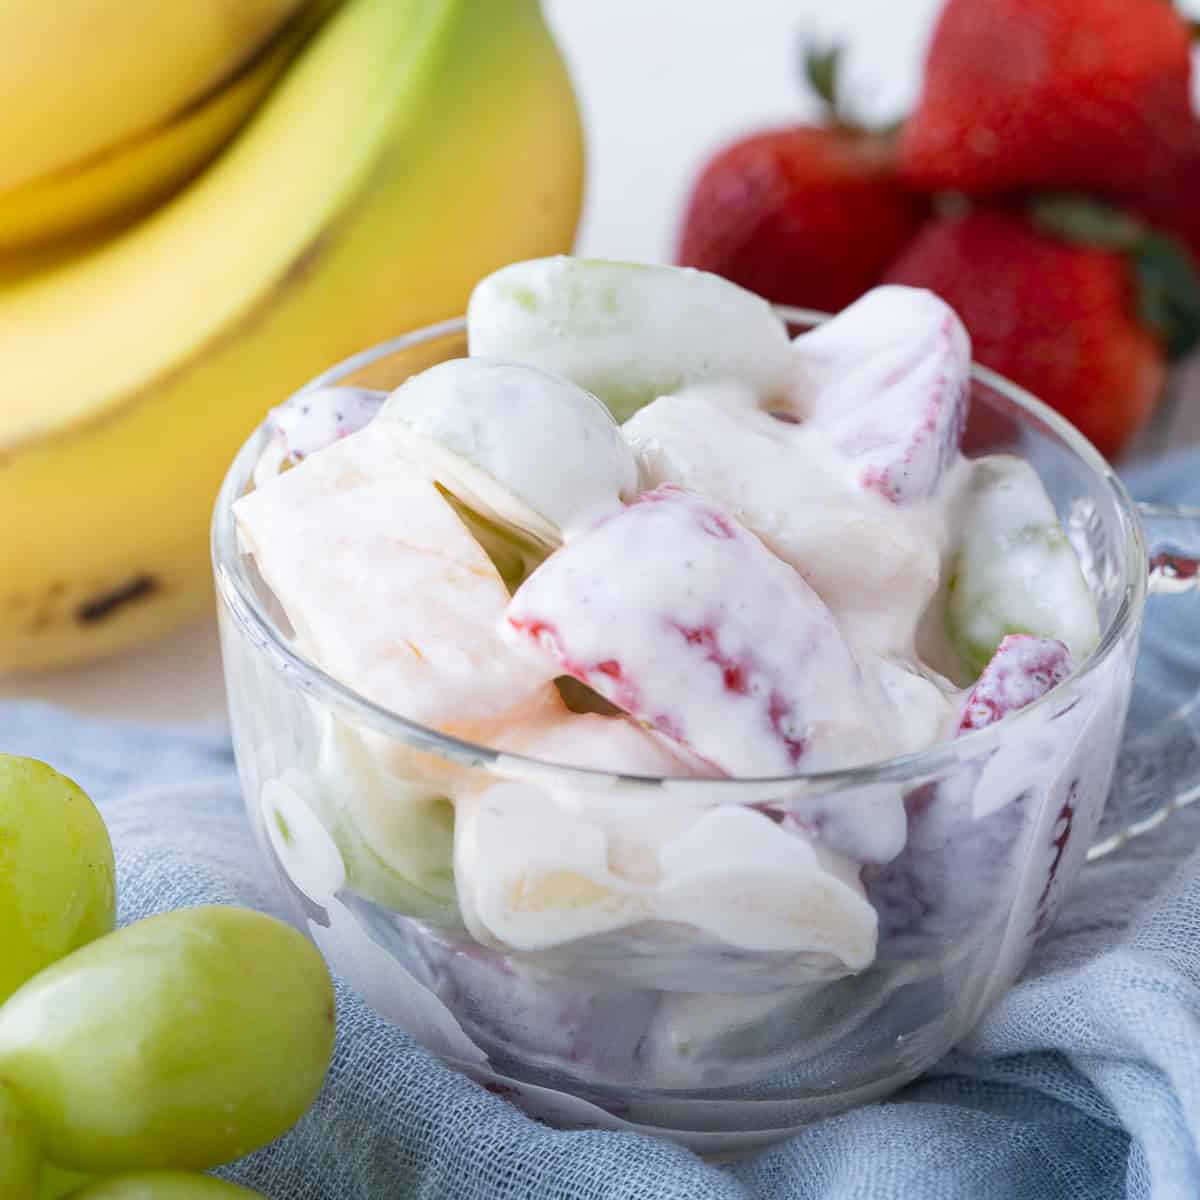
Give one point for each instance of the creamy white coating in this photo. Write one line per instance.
(683, 619)
(887, 382)
(533, 876)
(384, 586)
(313, 419)
(516, 444)
(842, 464)
(875, 564)
(628, 331)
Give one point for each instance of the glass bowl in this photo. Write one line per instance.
(661, 1024)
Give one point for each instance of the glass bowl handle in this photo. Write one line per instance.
(1173, 547)
(1158, 767)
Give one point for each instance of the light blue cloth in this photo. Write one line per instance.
(1083, 1084)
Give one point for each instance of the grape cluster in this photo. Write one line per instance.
(131, 1058)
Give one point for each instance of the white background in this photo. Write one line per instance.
(662, 84)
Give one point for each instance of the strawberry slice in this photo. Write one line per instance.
(1022, 669)
(672, 611)
(960, 863)
(887, 381)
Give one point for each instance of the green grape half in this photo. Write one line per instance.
(57, 884)
(163, 1185)
(20, 1158)
(185, 1040)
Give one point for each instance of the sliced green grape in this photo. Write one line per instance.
(395, 836)
(20, 1158)
(628, 332)
(185, 1040)
(57, 889)
(1014, 570)
(162, 1185)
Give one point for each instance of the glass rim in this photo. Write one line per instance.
(238, 592)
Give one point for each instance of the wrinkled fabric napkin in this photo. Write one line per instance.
(1082, 1084)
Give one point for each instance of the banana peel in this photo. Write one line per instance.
(126, 180)
(81, 77)
(412, 147)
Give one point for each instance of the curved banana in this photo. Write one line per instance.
(129, 177)
(78, 77)
(413, 146)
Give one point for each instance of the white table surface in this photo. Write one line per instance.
(662, 84)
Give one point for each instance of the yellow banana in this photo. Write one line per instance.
(413, 146)
(78, 77)
(128, 177)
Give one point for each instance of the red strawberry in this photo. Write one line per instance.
(1050, 93)
(1060, 319)
(807, 215)
(1171, 201)
(1022, 670)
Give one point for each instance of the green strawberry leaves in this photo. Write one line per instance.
(1168, 284)
(821, 68)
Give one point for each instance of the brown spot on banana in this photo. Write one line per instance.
(88, 612)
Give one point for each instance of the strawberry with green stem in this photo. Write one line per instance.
(1074, 300)
(807, 214)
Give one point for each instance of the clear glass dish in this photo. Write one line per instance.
(656, 1027)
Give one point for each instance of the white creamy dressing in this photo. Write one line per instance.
(389, 592)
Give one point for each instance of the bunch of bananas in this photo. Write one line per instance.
(209, 203)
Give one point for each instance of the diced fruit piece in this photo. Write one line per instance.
(887, 381)
(955, 873)
(678, 616)
(1022, 669)
(396, 836)
(1014, 570)
(535, 876)
(740, 878)
(1078, 345)
(20, 1155)
(163, 1185)
(384, 586)
(538, 874)
(1020, 94)
(515, 444)
(967, 847)
(312, 420)
(184, 1040)
(805, 215)
(627, 331)
(600, 743)
(877, 564)
(57, 882)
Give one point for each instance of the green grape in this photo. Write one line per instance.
(1014, 569)
(57, 1183)
(395, 836)
(628, 332)
(20, 1158)
(185, 1040)
(162, 1185)
(57, 889)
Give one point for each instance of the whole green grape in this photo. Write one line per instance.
(57, 1183)
(57, 888)
(185, 1040)
(163, 1185)
(20, 1159)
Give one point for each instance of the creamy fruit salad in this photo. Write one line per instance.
(641, 531)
